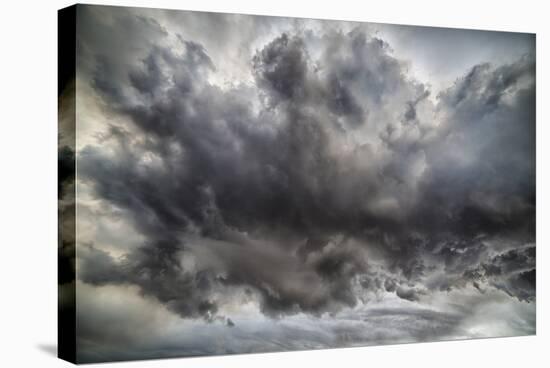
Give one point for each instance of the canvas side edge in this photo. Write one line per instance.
(66, 325)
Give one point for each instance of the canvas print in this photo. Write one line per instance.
(239, 184)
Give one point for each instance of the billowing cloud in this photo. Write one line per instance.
(325, 181)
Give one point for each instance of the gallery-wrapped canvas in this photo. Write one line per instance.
(238, 184)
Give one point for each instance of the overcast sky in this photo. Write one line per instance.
(252, 183)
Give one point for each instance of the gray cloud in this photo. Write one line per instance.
(332, 177)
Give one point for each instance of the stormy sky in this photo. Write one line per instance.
(249, 184)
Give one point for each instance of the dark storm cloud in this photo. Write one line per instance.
(410, 113)
(157, 272)
(512, 272)
(282, 67)
(481, 171)
(269, 199)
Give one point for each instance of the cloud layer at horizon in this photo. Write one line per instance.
(252, 184)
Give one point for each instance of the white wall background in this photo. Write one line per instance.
(28, 183)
